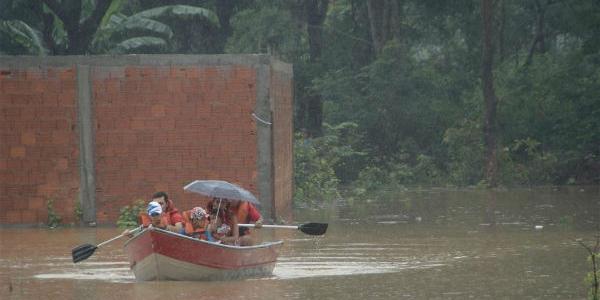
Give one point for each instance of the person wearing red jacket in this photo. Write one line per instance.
(174, 218)
(236, 212)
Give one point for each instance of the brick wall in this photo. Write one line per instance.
(158, 125)
(38, 144)
(158, 128)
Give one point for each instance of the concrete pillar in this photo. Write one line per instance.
(263, 116)
(87, 168)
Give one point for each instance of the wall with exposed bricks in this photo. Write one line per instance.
(159, 122)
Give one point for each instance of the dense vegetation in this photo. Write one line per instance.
(424, 92)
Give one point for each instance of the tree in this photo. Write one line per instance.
(315, 11)
(489, 96)
(79, 29)
(384, 21)
(163, 29)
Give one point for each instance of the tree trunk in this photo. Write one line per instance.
(539, 41)
(489, 96)
(384, 21)
(316, 10)
(375, 8)
(224, 11)
(501, 31)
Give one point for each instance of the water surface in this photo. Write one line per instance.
(410, 244)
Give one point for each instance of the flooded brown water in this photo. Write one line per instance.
(414, 244)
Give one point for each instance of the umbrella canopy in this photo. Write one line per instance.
(221, 189)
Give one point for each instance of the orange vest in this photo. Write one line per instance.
(145, 220)
(242, 212)
(189, 227)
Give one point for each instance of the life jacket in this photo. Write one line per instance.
(242, 212)
(172, 213)
(145, 220)
(189, 227)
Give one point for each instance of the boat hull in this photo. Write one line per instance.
(156, 254)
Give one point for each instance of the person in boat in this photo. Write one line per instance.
(153, 217)
(239, 212)
(174, 218)
(216, 229)
(195, 222)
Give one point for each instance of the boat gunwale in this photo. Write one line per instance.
(263, 245)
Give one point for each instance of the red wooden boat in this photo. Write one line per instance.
(156, 254)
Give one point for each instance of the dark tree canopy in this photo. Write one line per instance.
(389, 91)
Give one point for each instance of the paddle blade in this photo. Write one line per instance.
(313, 228)
(82, 252)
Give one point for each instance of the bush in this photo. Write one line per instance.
(128, 216)
(314, 177)
(54, 219)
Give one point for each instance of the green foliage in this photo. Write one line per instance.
(77, 212)
(17, 37)
(266, 30)
(54, 219)
(128, 215)
(465, 153)
(314, 178)
(591, 279)
(316, 161)
(524, 162)
(171, 28)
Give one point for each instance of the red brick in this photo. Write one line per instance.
(28, 216)
(66, 74)
(177, 72)
(36, 203)
(66, 98)
(149, 72)
(62, 164)
(47, 189)
(132, 72)
(49, 99)
(158, 110)
(60, 138)
(13, 216)
(17, 152)
(28, 138)
(112, 86)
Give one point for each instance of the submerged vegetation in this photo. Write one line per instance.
(54, 219)
(592, 278)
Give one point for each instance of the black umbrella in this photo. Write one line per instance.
(221, 189)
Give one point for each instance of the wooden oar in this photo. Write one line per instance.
(308, 228)
(82, 252)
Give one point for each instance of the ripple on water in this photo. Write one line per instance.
(353, 259)
(61, 268)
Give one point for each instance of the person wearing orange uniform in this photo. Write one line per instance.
(153, 217)
(195, 222)
(240, 212)
(175, 221)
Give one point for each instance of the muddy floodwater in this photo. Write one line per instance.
(408, 244)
